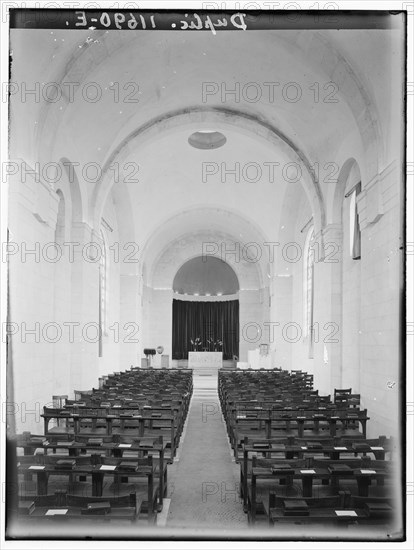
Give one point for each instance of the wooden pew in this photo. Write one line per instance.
(318, 510)
(267, 448)
(97, 468)
(263, 479)
(380, 510)
(265, 423)
(114, 445)
(291, 448)
(65, 507)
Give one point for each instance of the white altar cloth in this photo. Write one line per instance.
(203, 359)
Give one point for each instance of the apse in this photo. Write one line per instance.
(205, 308)
(206, 276)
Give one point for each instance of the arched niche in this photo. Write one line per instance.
(205, 276)
(205, 309)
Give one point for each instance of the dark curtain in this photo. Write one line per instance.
(207, 321)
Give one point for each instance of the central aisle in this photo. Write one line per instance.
(204, 482)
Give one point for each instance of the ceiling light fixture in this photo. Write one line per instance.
(207, 139)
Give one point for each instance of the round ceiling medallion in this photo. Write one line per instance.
(207, 139)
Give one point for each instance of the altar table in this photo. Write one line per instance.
(203, 359)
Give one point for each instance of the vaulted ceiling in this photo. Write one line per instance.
(302, 98)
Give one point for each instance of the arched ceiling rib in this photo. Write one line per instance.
(206, 231)
(171, 69)
(242, 121)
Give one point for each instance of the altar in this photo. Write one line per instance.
(205, 359)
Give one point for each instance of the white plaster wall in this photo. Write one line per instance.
(281, 316)
(116, 334)
(350, 332)
(157, 320)
(381, 322)
(41, 365)
(47, 296)
(300, 348)
(253, 314)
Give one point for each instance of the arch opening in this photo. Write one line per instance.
(206, 276)
(203, 319)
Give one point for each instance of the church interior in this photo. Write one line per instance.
(206, 281)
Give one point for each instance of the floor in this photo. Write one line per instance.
(204, 479)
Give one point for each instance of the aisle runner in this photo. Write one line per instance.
(204, 483)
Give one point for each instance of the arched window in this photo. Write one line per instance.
(308, 290)
(354, 228)
(103, 292)
(60, 221)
